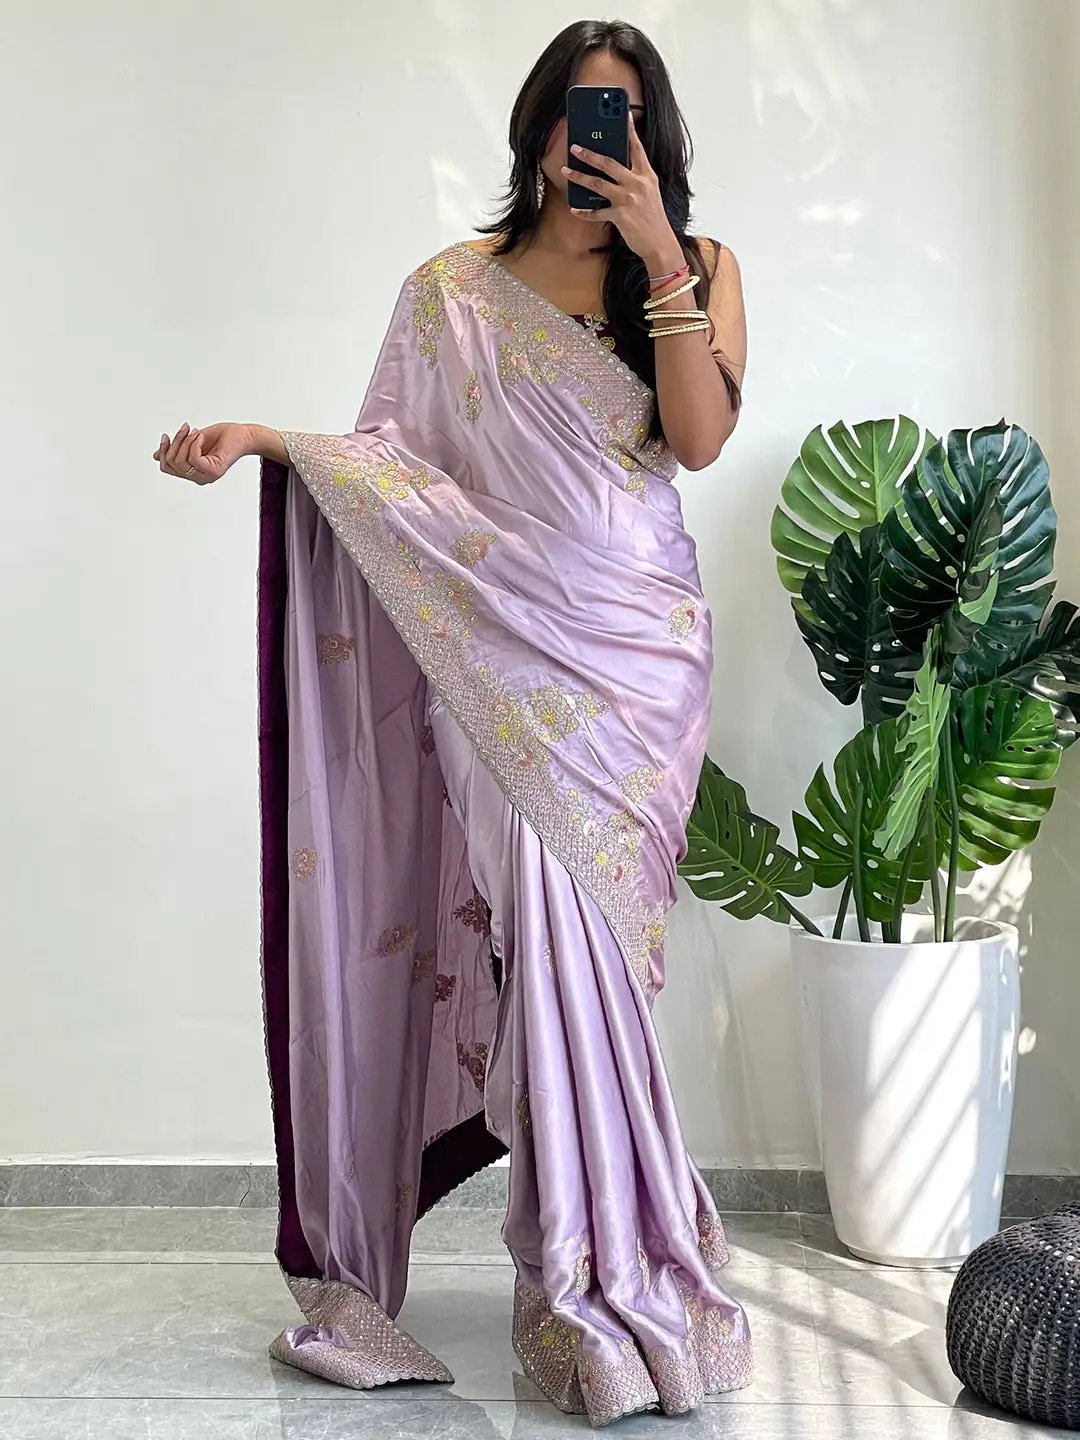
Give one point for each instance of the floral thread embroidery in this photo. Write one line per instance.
(395, 940)
(472, 547)
(640, 783)
(305, 862)
(444, 987)
(473, 1058)
(474, 400)
(712, 1241)
(535, 353)
(475, 913)
(403, 1194)
(334, 649)
(583, 1270)
(643, 1266)
(530, 359)
(423, 967)
(615, 840)
(556, 711)
(682, 620)
(427, 740)
(523, 1112)
(372, 482)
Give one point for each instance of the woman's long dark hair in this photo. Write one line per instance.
(537, 109)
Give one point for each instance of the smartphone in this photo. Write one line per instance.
(597, 116)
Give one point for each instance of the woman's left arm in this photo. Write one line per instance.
(696, 410)
(695, 405)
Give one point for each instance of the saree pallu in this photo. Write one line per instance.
(485, 663)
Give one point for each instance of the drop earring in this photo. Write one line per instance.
(540, 183)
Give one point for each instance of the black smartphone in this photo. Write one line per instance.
(597, 116)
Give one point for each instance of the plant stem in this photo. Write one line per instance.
(935, 873)
(897, 924)
(841, 914)
(804, 920)
(954, 831)
(856, 864)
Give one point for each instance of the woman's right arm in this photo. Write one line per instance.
(203, 456)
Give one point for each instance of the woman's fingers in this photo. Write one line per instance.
(183, 459)
(204, 470)
(174, 456)
(174, 448)
(597, 161)
(591, 182)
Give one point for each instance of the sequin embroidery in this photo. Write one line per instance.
(616, 397)
(643, 1266)
(396, 939)
(334, 649)
(583, 1270)
(640, 783)
(474, 399)
(472, 547)
(305, 862)
(682, 619)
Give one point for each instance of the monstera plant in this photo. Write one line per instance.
(919, 570)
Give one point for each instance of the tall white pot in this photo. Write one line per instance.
(911, 1060)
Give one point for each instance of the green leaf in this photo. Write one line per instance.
(927, 712)
(1004, 748)
(827, 836)
(1046, 666)
(840, 488)
(734, 857)
(969, 542)
(845, 623)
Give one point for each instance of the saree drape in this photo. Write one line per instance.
(485, 662)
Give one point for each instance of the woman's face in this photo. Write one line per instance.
(598, 67)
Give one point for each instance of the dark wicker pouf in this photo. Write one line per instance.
(1013, 1327)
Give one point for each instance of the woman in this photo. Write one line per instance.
(484, 671)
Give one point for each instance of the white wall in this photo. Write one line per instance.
(206, 217)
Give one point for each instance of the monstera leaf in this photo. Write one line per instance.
(971, 537)
(845, 623)
(924, 720)
(734, 857)
(1046, 666)
(867, 770)
(840, 488)
(1004, 748)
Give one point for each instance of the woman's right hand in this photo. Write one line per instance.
(203, 456)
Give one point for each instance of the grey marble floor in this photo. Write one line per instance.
(152, 1324)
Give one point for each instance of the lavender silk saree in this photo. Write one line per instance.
(484, 695)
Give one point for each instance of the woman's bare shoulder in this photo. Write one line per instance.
(719, 259)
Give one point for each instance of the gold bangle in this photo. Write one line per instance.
(655, 315)
(678, 329)
(659, 299)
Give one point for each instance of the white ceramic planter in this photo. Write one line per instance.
(911, 1058)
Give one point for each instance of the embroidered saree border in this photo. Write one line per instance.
(546, 345)
(432, 614)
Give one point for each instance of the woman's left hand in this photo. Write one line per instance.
(636, 209)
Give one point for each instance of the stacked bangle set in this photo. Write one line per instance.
(686, 319)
